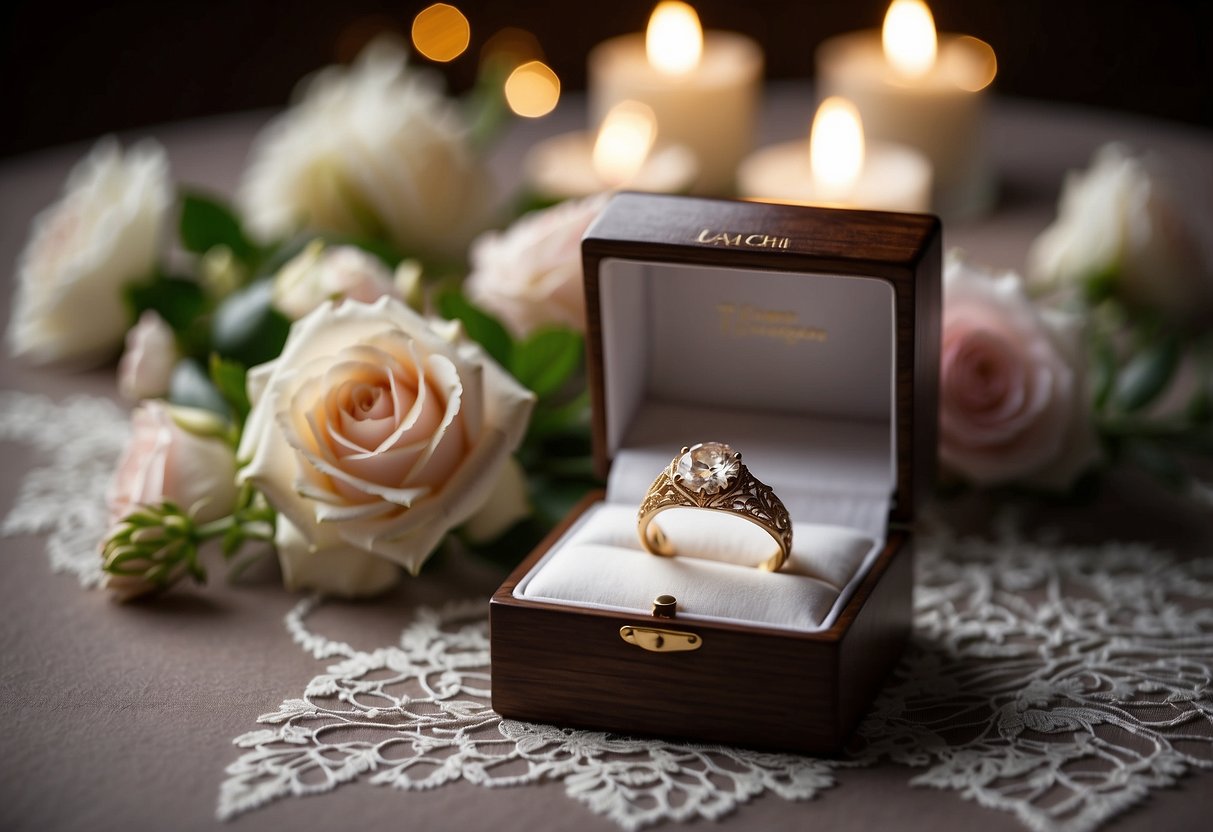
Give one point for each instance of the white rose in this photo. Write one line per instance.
(1118, 219)
(371, 149)
(530, 274)
(103, 234)
(373, 435)
(1013, 401)
(320, 273)
(146, 367)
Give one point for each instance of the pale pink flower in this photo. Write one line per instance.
(168, 459)
(1013, 402)
(530, 274)
(146, 367)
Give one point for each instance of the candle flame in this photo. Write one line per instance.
(674, 39)
(624, 141)
(532, 89)
(909, 37)
(836, 149)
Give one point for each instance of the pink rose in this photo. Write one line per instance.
(530, 275)
(374, 433)
(1013, 402)
(171, 458)
(147, 364)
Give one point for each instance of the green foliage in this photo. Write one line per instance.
(190, 386)
(230, 378)
(546, 360)
(1146, 375)
(481, 327)
(247, 328)
(207, 222)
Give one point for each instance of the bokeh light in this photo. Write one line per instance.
(532, 90)
(441, 32)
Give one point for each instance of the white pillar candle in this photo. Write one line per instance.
(916, 88)
(706, 98)
(839, 168)
(624, 153)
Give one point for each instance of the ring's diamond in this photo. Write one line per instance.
(708, 467)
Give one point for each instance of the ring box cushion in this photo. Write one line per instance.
(806, 356)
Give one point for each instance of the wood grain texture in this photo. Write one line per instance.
(748, 685)
(902, 249)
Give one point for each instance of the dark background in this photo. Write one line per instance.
(74, 70)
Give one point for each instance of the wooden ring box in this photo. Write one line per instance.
(806, 338)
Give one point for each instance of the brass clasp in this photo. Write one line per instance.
(660, 641)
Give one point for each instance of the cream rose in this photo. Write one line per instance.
(373, 434)
(146, 367)
(1118, 218)
(104, 233)
(320, 273)
(372, 149)
(530, 274)
(174, 454)
(1013, 402)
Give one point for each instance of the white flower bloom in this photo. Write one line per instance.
(103, 234)
(320, 273)
(371, 149)
(530, 274)
(1118, 219)
(146, 367)
(373, 435)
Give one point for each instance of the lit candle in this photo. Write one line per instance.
(703, 87)
(624, 153)
(839, 168)
(918, 88)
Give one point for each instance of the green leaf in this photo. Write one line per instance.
(571, 416)
(190, 387)
(1155, 460)
(207, 222)
(178, 301)
(246, 326)
(554, 498)
(1103, 372)
(231, 379)
(1146, 375)
(481, 327)
(1101, 285)
(547, 359)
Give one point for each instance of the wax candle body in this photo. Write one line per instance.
(941, 114)
(893, 178)
(562, 168)
(711, 109)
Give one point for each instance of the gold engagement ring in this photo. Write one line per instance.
(712, 476)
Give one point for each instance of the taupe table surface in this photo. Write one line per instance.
(122, 717)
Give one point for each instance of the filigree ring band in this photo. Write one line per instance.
(712, 476)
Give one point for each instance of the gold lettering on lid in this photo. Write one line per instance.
(736, 238)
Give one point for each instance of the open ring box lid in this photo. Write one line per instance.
(808, 340)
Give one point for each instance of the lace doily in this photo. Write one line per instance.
(1056, 682)
(79, 441)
